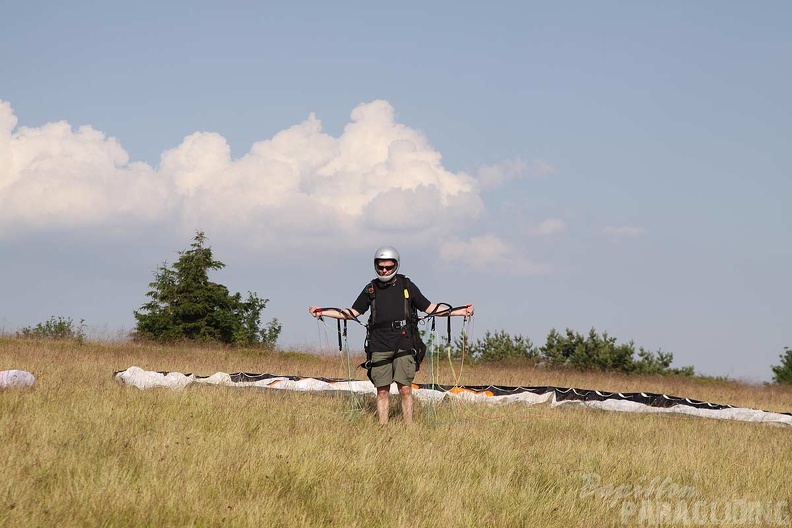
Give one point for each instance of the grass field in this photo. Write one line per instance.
(80, 449)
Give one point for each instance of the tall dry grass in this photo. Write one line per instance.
(82, 450)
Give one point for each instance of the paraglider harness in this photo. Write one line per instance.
(408, 326)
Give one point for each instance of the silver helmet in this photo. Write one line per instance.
(386, 253)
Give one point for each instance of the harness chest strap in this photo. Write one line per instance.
(395, 325)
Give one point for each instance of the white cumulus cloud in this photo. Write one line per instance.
(378, 177)
(54, 176)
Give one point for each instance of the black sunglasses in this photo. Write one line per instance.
(385, 268)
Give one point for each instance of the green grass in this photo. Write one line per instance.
(81, 449)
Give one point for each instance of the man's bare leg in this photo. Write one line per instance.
(383, 404)
(406, 402)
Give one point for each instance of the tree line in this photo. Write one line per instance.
(570, 349)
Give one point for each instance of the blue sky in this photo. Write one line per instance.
(610, 165)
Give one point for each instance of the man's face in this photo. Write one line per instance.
(385, 267)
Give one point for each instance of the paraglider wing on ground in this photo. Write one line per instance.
(555, 396)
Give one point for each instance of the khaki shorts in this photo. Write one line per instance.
(400, 369)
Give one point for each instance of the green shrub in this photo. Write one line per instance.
(55, 328)
(496, 346)
(595, 352)
(658, 363)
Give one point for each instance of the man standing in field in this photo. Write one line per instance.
(392, 327)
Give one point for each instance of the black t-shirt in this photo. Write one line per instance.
(389, 307)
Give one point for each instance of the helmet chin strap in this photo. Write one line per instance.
(387, 278)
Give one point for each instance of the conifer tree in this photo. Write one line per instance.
(185, 304)
(783, 373)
